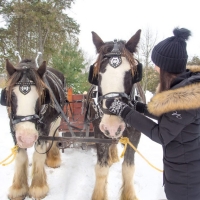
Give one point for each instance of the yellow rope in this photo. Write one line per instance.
(125, 141)
(14, 152)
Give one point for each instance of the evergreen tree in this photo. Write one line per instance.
(35, 25)
(194, 61)
(70, 61)
(152, 79)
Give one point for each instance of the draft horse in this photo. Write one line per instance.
(32, 112)
(116, 73)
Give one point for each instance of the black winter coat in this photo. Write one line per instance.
(178, 131)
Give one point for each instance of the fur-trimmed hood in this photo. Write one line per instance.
(186, 97)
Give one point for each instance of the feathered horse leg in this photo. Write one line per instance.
(128, 167)
(19, 188)
(53, 156)
(106, 156)
(39, 187)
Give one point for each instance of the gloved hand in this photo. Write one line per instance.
(117, 107)
(138, 106)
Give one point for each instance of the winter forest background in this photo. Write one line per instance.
(56, 28)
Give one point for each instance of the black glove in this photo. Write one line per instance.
(117, 107)
(138, 106)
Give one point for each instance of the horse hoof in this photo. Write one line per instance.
(17, 198)
(17, 194)
(53, 163)
(37, 198)
(38, 193)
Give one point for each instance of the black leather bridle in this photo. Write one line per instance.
(114, 60)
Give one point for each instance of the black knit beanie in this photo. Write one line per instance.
(171, 54)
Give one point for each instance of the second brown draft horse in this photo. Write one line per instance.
(116, 74)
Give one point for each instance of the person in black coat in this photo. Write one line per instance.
(176, 106)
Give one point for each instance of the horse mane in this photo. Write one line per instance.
(106, 48)
(31, 74)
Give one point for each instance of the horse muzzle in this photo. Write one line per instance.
(26, 134)
(112, 126)
(26, 142)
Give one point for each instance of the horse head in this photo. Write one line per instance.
(24, 96)
(115, 73)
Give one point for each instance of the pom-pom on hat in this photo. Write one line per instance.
(171, 54)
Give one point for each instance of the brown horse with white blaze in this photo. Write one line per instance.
(115, 73)
(32, 113)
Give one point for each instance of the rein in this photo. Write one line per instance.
(58, 108)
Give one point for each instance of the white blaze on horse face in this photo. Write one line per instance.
(113, 81)
(26, 133)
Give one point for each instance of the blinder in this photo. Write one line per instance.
(136, 78)
(3, 101)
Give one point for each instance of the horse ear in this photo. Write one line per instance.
(98, 42)
(10, 68)
(131, 45)
(42, 69)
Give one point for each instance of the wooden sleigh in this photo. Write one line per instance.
(75, 130)
(76, 110)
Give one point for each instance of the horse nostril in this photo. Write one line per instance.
(36, 137)
(19, 139)
(119, 130)
(107, 133)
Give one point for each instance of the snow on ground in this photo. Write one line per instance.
(74, 180)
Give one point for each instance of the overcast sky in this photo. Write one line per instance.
(119, 19)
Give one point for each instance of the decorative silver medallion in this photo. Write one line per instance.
(115, 61)
(24, 89)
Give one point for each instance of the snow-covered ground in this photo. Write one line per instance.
(74, 180)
